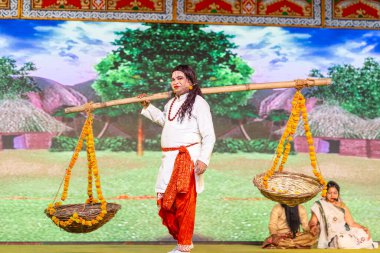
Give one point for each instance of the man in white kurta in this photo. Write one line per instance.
(198, 129)
(196, 134)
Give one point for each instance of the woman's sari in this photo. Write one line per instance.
(335, 233)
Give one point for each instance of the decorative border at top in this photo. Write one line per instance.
(332, 21)
(29, 12)
(320, 16)
(9, 9)
(316, 19)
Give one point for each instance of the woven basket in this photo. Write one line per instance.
(85, 211)
(288, 188)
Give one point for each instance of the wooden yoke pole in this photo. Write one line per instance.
(299, 84)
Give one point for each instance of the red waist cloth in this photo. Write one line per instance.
(181, 175)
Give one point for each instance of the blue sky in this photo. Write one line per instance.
(66, 51)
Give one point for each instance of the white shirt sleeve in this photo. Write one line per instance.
(154, 114)
(206, 130)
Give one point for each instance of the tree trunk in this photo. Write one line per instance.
(271, 130)
(104, 129)
(140, 136)
(75, 126)
(242, 129)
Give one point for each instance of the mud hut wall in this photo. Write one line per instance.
(354, 147)
(38, 140)
(301, 145)
(373, 148)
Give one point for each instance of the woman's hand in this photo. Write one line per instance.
(200, 167)
(314, 230)
(144, 103)
(313, 225)
(367, 231)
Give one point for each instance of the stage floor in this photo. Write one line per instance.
(150, 248)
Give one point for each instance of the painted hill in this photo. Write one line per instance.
(86, 90)
(54, 96)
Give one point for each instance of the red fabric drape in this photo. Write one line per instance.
(180, 179)
(177, 207)
(180, 218)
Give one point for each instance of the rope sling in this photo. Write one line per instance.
(94, 213)
(288, 187)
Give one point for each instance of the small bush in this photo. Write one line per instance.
(63, 143)
(237, 145)
(116, 144)
(152, 144)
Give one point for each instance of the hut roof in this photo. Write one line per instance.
(19, 116)
(370, 129)
(332, 121)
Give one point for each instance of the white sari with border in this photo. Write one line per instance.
(335, 233)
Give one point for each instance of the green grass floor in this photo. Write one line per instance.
(199, 248)
(230, 208)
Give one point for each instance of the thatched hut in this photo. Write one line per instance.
(335, 131)
(23, 126)
(370, 130)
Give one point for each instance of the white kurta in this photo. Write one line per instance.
(198, 129)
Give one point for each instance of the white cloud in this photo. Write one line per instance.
(273, 52)
(68, 52)
(371, 34)
(279, 55)
(353, 52)
(4, 43)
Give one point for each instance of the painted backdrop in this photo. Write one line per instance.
(46, 66)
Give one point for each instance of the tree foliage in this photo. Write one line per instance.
(15, 81)
(143, 61)
(357, 90)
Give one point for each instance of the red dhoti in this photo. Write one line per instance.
(177, 207)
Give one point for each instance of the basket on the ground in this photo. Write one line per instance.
(289, 188)
(85, 211)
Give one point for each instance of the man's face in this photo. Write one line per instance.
(180, 84)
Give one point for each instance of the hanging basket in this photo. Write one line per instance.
(85, 211)
(94, 213)
(289, 188)
(286, 187)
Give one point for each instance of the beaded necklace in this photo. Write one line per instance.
(170, 110)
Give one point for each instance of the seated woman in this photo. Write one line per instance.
(335, 225)
(284, 228)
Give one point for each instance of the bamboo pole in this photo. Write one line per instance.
(301, 83)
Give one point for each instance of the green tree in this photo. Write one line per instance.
(143, 61)
(15, 81)
(357, 90)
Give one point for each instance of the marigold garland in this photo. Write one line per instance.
(284, 146)
(87, 135)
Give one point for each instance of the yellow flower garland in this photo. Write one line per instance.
(298, 108)
(87, 134)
